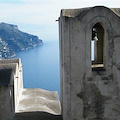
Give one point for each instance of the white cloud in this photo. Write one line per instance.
(31, 14)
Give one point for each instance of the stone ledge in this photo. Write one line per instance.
(37, 99)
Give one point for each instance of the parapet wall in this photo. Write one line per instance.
(11, 85)
(17, 103)
(6, 94)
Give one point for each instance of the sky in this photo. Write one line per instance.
(38, 17)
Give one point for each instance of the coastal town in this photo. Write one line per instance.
(13, 40)
(5, 52)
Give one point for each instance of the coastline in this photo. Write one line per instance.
(14, 55)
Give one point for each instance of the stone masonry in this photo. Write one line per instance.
(17, 103)
(89, 72)
(90, 90)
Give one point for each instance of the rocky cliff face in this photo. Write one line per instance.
(13, 40)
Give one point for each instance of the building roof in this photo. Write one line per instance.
(6, 76)
(81, 11)
(37, 99)
(8, 68)
(5, 61)
(13, 66)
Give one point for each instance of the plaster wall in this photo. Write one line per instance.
(6, 103)
(17, 103)
(16, 65)
(18, 84)
(65, 88)
(88, 94)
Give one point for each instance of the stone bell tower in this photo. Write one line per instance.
(90, 63)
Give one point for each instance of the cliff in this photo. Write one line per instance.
(13, 40)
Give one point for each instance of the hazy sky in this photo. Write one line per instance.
(38, 16)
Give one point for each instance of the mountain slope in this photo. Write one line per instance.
(13, 40)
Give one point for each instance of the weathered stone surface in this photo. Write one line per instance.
(90, 91)
(17, 103)
(38, 104)
(39, 100)
(5, 77)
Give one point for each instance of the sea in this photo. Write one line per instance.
(41, 66)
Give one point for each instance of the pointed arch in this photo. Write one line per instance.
(106, 36)
(98, 44)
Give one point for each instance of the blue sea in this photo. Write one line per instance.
(41, 66)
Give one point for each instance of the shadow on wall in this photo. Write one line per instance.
(37, 116)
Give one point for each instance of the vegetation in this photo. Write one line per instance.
(13, 40)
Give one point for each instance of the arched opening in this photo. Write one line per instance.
(97, 46)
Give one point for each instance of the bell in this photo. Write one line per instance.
(95, 38)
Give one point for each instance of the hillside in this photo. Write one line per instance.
(13, 40)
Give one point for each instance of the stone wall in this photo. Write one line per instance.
(17, 103)
(11, 85)
(89, 93)
(6, 95)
